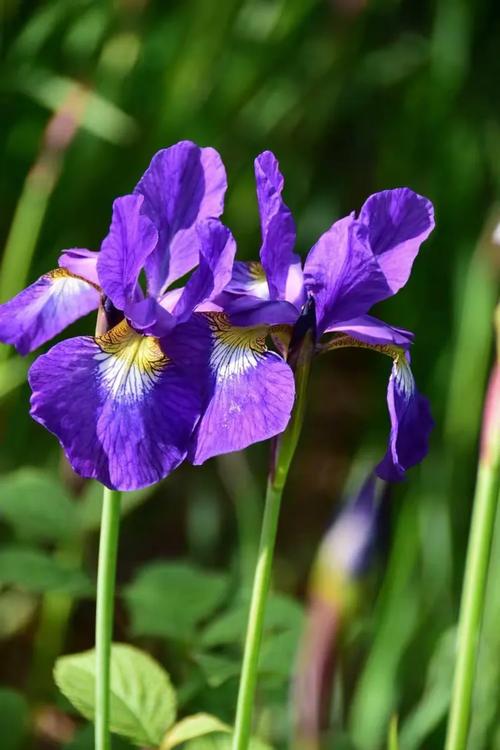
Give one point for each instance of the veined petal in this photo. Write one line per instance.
(252, 311)
(217, 250)
(370, 330)
(183, 185)
(398, 221)
(80, 262)
(248, 277)
(45, 308)
(248, 391)
(277, 225)
(149, 317)
(411, 423)
(343, 274)
(121, 409)
(131, 239)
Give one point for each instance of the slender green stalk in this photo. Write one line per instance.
(471, 608)
(283, 452)
(108, 547)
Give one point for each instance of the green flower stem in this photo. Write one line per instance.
(472, 604)
(284, 449)
(108, 547)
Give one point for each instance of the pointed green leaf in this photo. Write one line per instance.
(143, 704)
(197, 725)
(222, 742)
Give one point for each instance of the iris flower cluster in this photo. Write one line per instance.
(191, 371)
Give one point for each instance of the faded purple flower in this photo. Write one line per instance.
(356, 263)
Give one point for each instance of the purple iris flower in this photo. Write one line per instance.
(358, 262)
(168, 377)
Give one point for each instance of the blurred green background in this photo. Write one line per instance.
(353, 96)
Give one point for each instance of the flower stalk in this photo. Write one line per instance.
(283, 450)
(108, 547)
(486, 501)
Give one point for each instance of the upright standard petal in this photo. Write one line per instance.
(217, 251)
(131, 239)
(121, 409)
(411, 423)
(183, 185)
(80, 262)
(397, 221)
(45, 308)
(247, 391)
(343, 274)
(277, 224)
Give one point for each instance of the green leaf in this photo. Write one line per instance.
(37, 506)
(143, 703)
(217, 669)
(84, 740)
(16, 610)
(197, 725)
(13, 719)
(222, 742)
(170, 599)
(392, 738)
(282, 614)
(36, 571)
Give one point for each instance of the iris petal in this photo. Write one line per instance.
(45, 308)
(121, 409)
(248, 391)
(183, 185)
(411, 423)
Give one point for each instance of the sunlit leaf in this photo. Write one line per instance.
(197, 725)
(16, 610)
(143, 703)
(222, 742)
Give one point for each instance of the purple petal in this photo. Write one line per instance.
(251, 311)
(343, 274)
(45, 308)
(373, 331)
(122, 411)
(248, 277)
(217, 250)
(131, 239)
(398, 221)
(248, 391)
(149, 317)
(278, 227)
(80, 262)
(411, 423)
(183, 184)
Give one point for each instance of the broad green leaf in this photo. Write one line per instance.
(37, 506)
(217, 669)
(197, 725)
(170, 599)
(16, 610)
(222, 742)
(13, 719)
(143, 703)
(36, 571)
(282, 614)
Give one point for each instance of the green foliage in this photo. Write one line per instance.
(37, 506)
(191, 727)
(170, 599)
(143, 703)
(36, 571)
(221, 742)
(14, 719)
